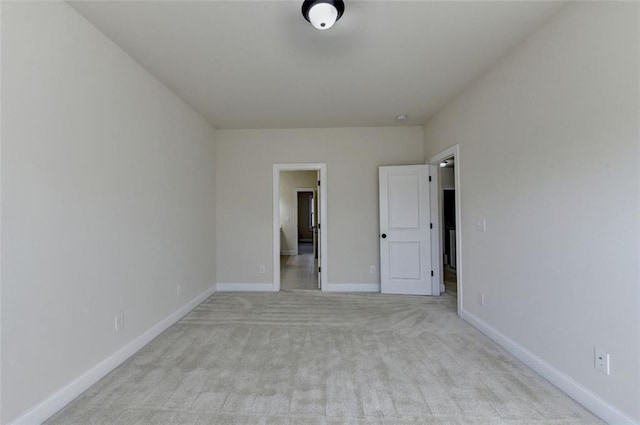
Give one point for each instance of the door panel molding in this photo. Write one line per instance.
(405, 234)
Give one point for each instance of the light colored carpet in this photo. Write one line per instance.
(307, 358)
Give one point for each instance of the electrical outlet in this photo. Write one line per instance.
(602, 361)
(119, 321)
(179, 289)
(481, 299)
(261, 269)
(372, 269)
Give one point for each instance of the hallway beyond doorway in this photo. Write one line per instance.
(299, 271)
(282, 221)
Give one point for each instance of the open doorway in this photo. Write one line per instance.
(305, 210)
(299, 226)
(298, 221)
(448, 196)
(449, 257)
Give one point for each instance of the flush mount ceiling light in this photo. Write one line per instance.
(402, 117)
(322, 13)
(444, 164)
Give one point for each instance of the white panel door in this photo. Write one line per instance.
(405, 243)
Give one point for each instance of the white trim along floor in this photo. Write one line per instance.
(307, 357)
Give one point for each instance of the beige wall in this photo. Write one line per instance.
(549, 156)
(290, 180)
(107, 201)
(244, 194)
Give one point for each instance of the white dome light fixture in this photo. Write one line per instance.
(322, 13)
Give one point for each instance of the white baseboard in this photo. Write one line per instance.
(573, 389)
(351, 287)
(66, 394)
(289, 252)
(244, 287)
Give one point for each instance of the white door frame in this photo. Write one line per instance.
(453, 151)
(434, 205)
(295, 207)
(277, 168)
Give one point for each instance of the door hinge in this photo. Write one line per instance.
(320, 270)
(318, 182)
(431, 273)
(430, 225)
(429, 178)
(318, 226)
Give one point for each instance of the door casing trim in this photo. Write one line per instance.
(453, 151)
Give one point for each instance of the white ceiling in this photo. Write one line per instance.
(259, 64)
